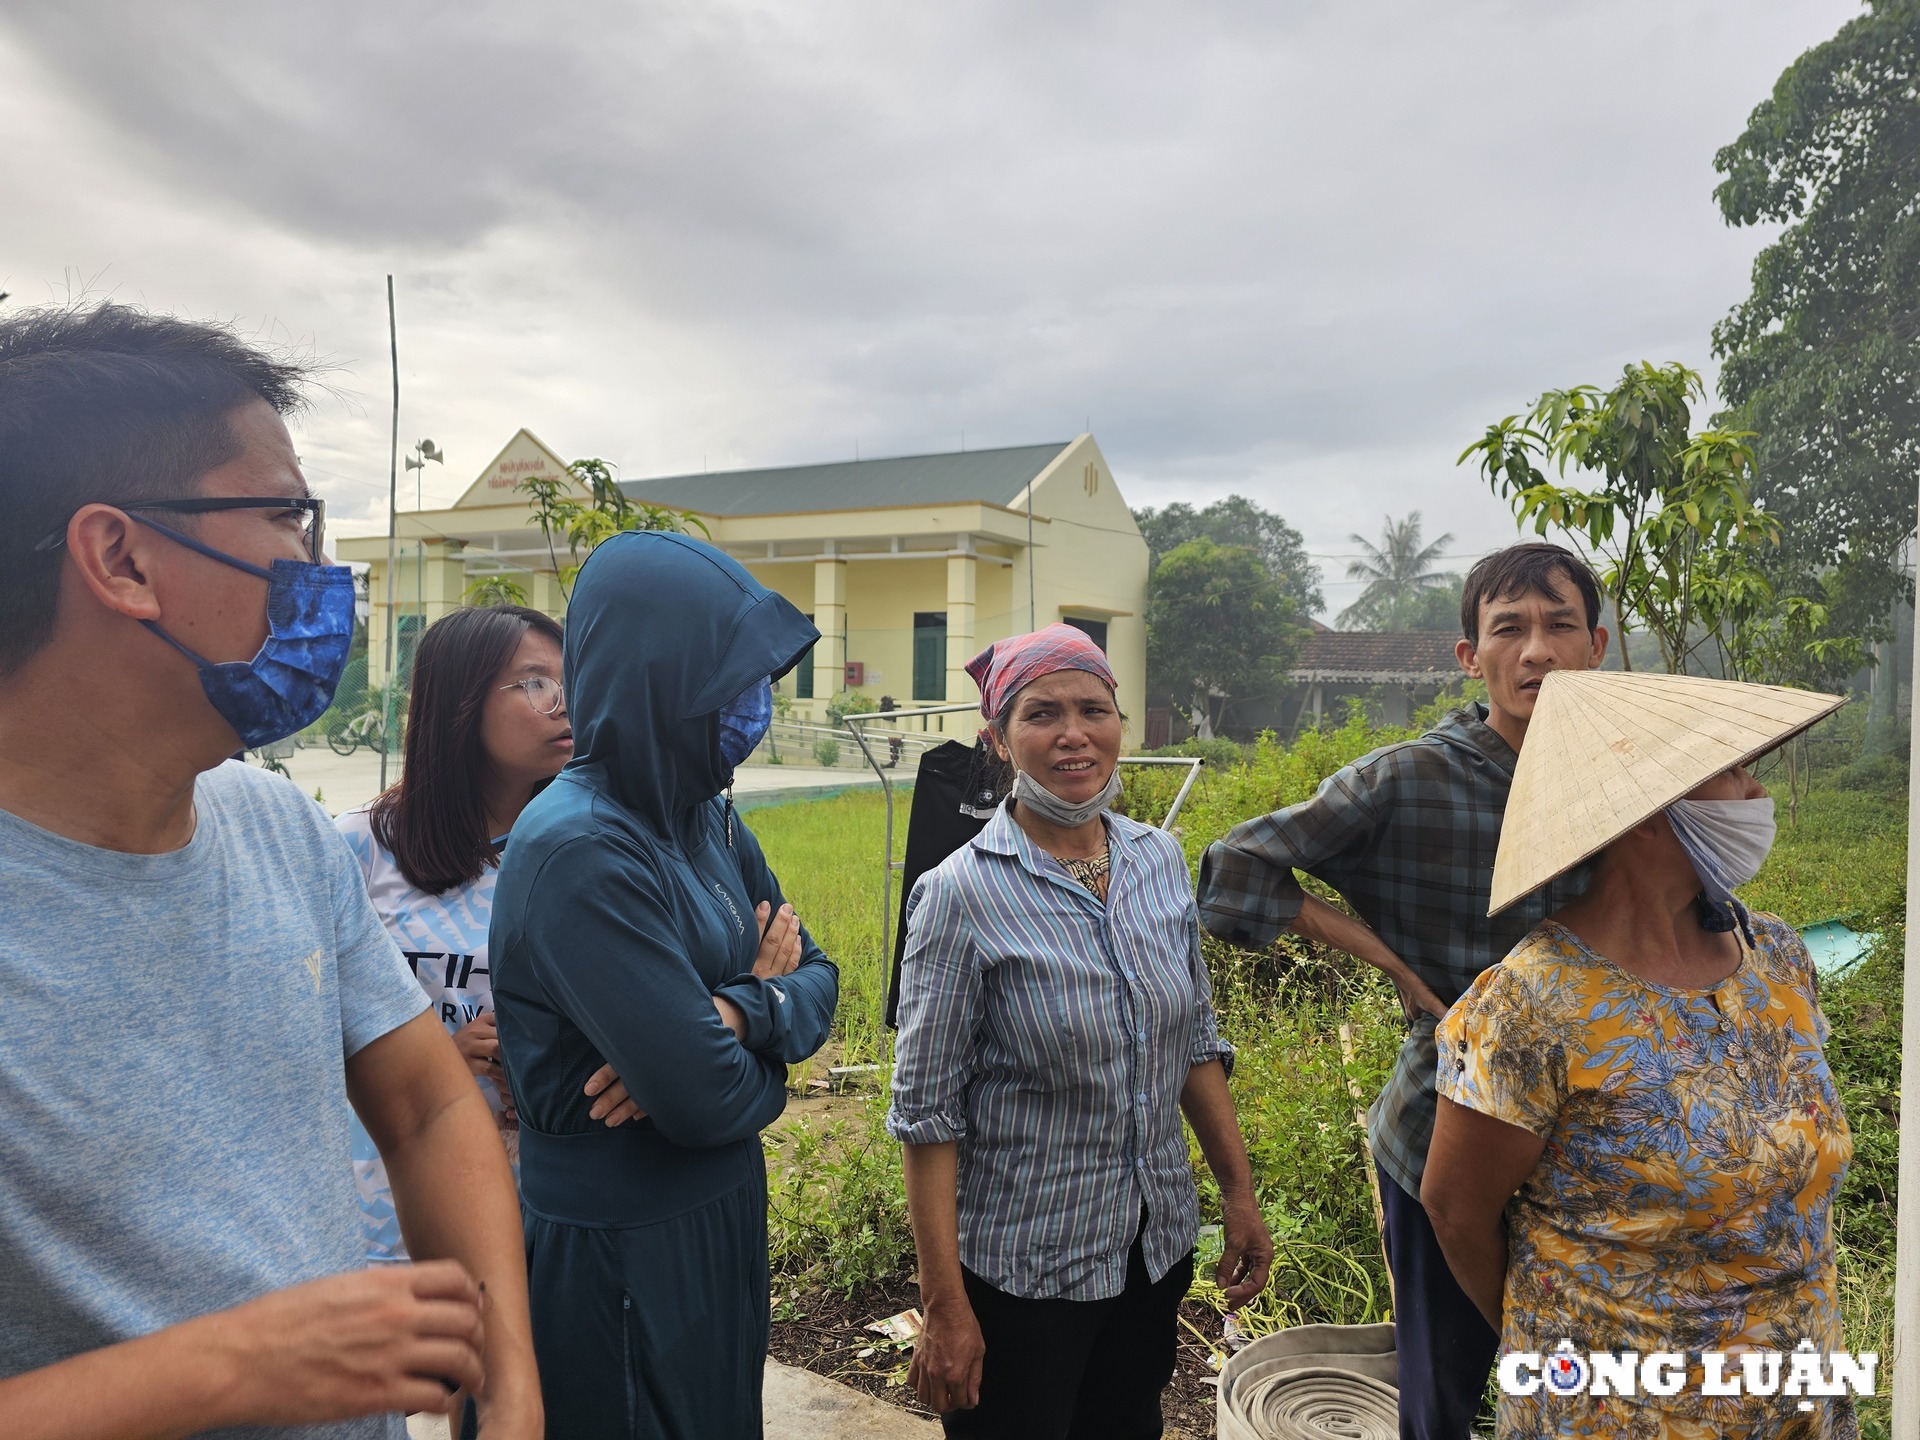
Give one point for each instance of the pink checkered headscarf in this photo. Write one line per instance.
(1007, 667)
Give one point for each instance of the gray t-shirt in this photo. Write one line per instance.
(173, 1107)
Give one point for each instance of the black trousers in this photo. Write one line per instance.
(1075, 1369)
(1446, 1348)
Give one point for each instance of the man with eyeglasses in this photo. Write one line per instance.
(195, 985)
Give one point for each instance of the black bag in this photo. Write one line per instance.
(954, 796)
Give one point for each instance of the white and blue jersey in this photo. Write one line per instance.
(443, 939)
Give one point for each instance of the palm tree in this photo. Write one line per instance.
(1398, 573)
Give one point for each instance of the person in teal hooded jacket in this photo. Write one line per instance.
(635, 924)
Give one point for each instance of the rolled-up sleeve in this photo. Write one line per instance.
(1204, 1043)
(940, 1007)
(1248, 893)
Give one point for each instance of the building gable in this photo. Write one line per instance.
(523, 456)
(1078, 490)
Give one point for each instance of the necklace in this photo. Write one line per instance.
(1092, 872)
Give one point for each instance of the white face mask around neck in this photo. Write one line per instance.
(1064, 813)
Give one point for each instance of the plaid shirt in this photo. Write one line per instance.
(1407, 836)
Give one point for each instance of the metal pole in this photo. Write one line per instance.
(393, 514)
(1906, 1265)
(1181, 799)
(1030, 610)
(886, 862)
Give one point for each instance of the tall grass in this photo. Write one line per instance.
(827, 854)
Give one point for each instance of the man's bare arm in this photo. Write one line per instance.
(1321, 923)
(454, 1195)
(362, 1343)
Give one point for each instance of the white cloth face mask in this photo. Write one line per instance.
(1051, 808)
(1727, 840)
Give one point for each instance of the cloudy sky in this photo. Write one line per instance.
(1302, 251)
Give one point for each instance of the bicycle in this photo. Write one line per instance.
(347, 735)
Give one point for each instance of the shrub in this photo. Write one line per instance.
(836, 1201)
(827, 751)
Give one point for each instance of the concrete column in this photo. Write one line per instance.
(963, 573)
(830, 617)
(544, 593)
(377, 618)
(442, 580)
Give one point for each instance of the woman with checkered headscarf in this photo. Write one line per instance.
(1055, 1022)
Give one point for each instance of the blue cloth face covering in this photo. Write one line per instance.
(744, 722)
(290, 682)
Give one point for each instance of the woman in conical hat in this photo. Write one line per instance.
(1640, 1089)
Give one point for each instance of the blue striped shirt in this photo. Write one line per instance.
(1051, 1036)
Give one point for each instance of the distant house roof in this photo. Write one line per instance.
(994, 477)
(1375, 656)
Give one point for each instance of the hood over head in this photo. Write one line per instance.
(662, 631)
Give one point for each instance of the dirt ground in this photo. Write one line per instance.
(826, 1333)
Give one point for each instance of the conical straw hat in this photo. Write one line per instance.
(1606, 749)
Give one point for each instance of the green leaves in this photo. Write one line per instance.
(1664, 497)
(1219, 626)
(607, 511)
(1822, 358)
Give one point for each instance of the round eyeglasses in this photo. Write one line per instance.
(544, 695)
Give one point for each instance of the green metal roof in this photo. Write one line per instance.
(994, 477)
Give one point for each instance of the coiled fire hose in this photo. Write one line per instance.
(1315, 1382)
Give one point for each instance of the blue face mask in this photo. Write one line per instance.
(744, 722)
(290, 682)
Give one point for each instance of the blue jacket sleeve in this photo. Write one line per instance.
(789, 1017)
(606, 954)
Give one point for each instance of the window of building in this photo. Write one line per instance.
(1094, 630)
(930, 655)
(407, 630)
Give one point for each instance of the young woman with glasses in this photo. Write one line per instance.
(487, 728)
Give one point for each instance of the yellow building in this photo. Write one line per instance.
(908, 565)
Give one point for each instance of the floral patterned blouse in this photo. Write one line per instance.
(1684, 1201)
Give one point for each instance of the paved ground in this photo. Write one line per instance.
(345, 781)
(799, 1406)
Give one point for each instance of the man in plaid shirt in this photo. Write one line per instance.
(1407, 835)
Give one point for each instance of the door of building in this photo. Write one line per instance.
(803, 675)
(930, 655)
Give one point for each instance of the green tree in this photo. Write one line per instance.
(1236, 520)
(1822, 359)
(1400, 577)
(1667, 501)
(1220, 628)
(607, 511)
(494, 590)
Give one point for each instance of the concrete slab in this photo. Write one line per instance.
(803, 1406)
(347, 781)
(799, 1406)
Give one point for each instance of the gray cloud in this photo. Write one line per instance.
(1301, 251)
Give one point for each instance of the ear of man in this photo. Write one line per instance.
(111, 557)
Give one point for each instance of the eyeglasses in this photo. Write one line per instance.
(544, 695)
(311, 509)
